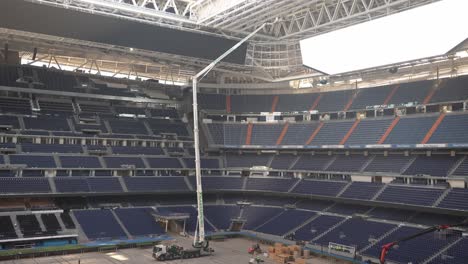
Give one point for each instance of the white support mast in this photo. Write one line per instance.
(200, 236)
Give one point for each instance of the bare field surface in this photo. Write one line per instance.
(231, 251)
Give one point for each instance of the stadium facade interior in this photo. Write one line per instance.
(96, 129)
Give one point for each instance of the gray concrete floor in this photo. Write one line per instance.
(232, 251)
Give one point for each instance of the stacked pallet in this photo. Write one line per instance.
(286, 254)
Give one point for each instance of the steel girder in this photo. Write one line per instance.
(144, 63)
(300, 19)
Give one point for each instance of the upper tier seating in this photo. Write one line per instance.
(139, 221)
(299, 133)
(395, 94)
(283, 161)
(56, 108)
(15, 106)
(251, 103)
(10, 122)
(413, 92)
(219, 183)
(270, 184)
(355, 232)
(234, 134)
(334, 101)
(361, 190)
(55, 80)
(46, 123)
(127, 126)
(24, 185)
(246, 160)
(431, 219)
(390, 163)
(137, 150)
(452, 129)
(71, 185)
(51, 148)
(8, 75)
(348, 163)
(410, 130)
(369, 131)
(410, 195)
(317, 227)
(217, 133)
(151, 184)
(130, 110)
(33, 161)
(94, 108)
(122, 162)
(99, 224)
(325, 188)
(162, 126)
(312, 162)
(205, 163)
(436, 165)
(80, 162)
(391, 214)
(169, 163)
(285, 222)
(296, 102)
(332, 133)
(104, 184)
(164, 113)
(451, 89)
(263, 134)
(212, 101)
(455, 199)
(370, 97)
(315, 205)
(349, 209)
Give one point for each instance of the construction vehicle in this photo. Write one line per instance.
(170, 252)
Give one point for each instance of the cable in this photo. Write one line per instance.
(387, 247)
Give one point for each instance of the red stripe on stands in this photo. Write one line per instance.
(283, 133)
(389, 130)
(350, 102)
(228, 103)
(433, 128)
(275, 103)
(315, 103)
(350, 131)
(431, 93)
(391, 94)
(314, 133)
(249, 134)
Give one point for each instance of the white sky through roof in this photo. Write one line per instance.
(425, 31)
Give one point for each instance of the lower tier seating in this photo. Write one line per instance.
(99, 224)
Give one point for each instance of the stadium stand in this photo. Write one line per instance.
(99, 224)
(321, 181)
(139, 221)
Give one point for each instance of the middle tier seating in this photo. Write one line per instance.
(413, 130)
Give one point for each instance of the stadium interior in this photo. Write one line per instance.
(97, 142)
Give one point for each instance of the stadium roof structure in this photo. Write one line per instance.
(273, 55)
